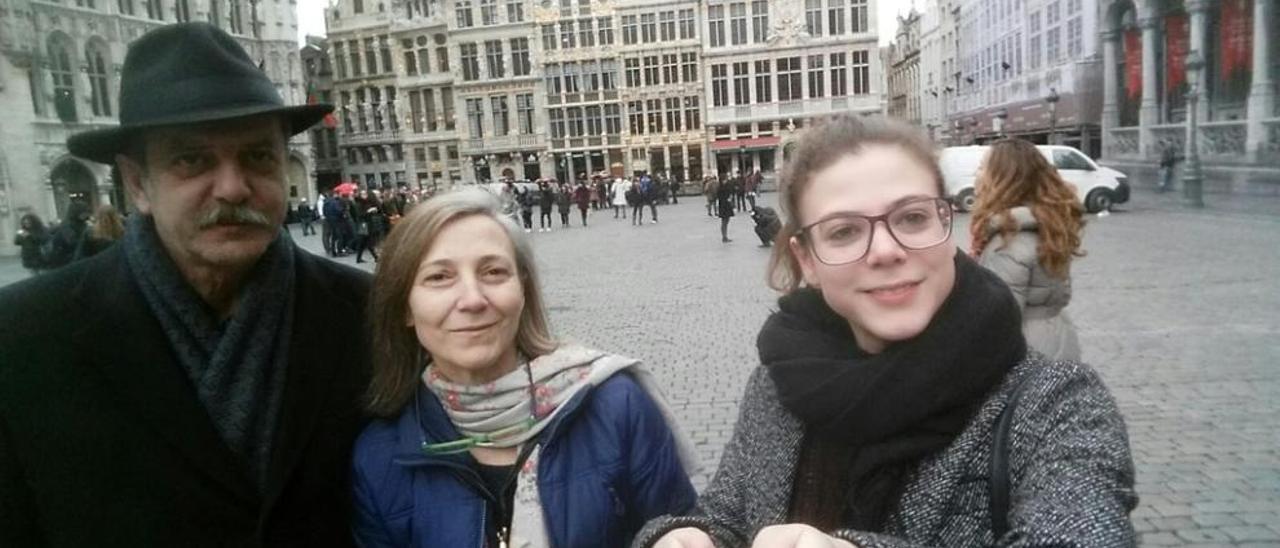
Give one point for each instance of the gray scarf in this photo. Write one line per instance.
(237, 366)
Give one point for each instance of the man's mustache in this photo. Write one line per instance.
(233, 214)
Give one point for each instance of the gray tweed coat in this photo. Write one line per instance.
(1070, 469)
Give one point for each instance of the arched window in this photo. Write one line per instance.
(100, 95)
(64, 84)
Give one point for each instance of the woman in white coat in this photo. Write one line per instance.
(619, 199)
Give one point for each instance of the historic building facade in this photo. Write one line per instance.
(902, 65)
(1145, 84)
(60, 67)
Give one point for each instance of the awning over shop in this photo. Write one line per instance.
(754, 143)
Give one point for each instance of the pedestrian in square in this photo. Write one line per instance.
(306, 216)
(30, 238)
(897, 403)
(526, 198)
(1026, 227)
(1168, 160)
(546, 204)
(635, 199)
(564, 203)
(710, 189)
(198, 382)
(724, 209)
(488, 431)
(619, 198)
(581, 196)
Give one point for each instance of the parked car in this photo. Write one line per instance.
(1098, 187)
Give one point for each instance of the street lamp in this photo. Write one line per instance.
(1052, 99)
(1192, 179)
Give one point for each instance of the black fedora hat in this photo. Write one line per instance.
(189, 73)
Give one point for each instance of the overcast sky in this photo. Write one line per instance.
(311, 17)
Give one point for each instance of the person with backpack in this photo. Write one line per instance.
(877, 415)
(649, 195)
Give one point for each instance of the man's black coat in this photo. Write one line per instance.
(103, 441)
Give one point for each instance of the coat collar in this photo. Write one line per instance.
(150, 385)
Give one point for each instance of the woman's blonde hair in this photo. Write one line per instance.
(398, 356)
(1014, 174)
(818, 148)
(107, 223)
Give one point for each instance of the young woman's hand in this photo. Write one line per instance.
(796, 535)
(685, 537)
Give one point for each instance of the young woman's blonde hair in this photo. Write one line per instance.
(1014, 174)
(107, 223)
(398, 357)
(818, 148)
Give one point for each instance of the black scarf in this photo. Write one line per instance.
(238, 366)
(891, 409)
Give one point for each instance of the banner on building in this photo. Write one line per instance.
(1176, 45)
(1237, 39)
(1133, 64)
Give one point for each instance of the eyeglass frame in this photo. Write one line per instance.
(803, 232)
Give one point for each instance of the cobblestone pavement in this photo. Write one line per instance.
(1179, 310)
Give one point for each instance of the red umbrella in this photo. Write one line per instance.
(347, 188)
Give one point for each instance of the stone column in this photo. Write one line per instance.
(1149, 112)
(1110, 110)
(1262, 92)
(1199, 29)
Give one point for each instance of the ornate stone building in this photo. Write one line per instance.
(1145, 83)
(903, 67)
(59, 75)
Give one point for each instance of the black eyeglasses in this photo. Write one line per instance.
(844, 238)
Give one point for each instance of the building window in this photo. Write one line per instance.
(651, 70)
(391, 108)
(410, 58)
(764, 86)
(100, 96)
(501, 121)
(861, 73)
(692, 116)
(475, 118)
(1052, 14)
(493, 58)
(670, 69)
(738, 23)
(442, 59)
(567, 37)
(604, 26)
(688, 26)
(63, 76)
(635, 117)
(353, 53)
(572, 78)
(595, 122)
(549, 41)
(630, 30)
(375, 106)
(586, 33)
(759, 21)
(551, 74)
(653, 113)
(609, 74)
(524, 113)
(576, 128)
(370, 57)
(182, 11)
(742, 83)
(1075, 44)
(346, 112)
(470, 62)
(613, 119)
(839, 74)
(673, 114)
(720, 85)
(667, 26)
(515, 11)
(489, 12)
(385, 50)
(648, 28)
(715, 25)
(590, 76)
(557, 123)
(126, 8)
(415, 111)
(361, 106)
(813, 17)
(835, 17)
(520, 65)
(858, 16)
(1052, 45)
(446, 108)
(234, 17)
(816, 77)
(689, 67)
(429, 110)
(631, 67)
(789, 79)
(463, 7)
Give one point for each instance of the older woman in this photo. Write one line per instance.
(490, 432)
(1026, 228)
(885, 374)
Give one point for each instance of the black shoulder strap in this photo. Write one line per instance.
(1000, 462)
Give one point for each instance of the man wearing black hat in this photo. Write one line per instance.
(199, 384)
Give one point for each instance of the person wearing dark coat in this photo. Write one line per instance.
(198, 383)
(564, 203)
(31, 235)
(526, 198)
(546, 204)
(724, 209)
(767, 224)
(67, 238)
(582, 196)
(307, 216)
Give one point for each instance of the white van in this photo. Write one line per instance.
(1097, 187)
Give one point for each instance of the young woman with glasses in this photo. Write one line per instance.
(491, 433)
(1026, 228)
(883, 374)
